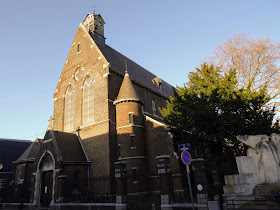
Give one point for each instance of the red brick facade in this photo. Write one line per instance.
(126, 121)
(100, 137)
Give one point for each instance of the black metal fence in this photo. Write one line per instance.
(89, 190)
(15, 194)
(182, 189)
(215, 179)
(143, 191)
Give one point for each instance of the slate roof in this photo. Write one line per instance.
(127, 90)
(11, 150)
(69, 146)
(136, 72)
(30, 153)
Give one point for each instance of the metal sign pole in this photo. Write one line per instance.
(190, 186)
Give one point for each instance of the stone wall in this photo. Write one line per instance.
(261, 165)
(265, 151)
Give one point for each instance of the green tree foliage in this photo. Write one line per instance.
(209, 112)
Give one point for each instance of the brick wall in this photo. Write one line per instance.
(94, 64)
(100, 137)
(158, 142)
(95, 135)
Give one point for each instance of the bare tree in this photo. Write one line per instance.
(256, 61)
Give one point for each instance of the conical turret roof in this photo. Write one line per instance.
(127, 91)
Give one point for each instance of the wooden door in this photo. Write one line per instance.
(46, 188)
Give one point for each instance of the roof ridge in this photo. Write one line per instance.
(21, 140)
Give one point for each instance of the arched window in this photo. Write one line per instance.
(69, 108)
(88, 101)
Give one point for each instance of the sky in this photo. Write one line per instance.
(169, 38)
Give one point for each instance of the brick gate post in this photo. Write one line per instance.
(121, 185)
(166, 184)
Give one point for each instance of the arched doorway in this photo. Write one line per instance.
(46, 189)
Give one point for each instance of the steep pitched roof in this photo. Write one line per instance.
(69, 146)
(127, 91)
(30, 153)
(136, 72)
(10, 150)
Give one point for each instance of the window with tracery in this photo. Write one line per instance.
(69, 108)
(88, 101)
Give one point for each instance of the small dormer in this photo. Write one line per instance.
(157, 82)
(94, 24)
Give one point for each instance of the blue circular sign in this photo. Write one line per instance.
(186, 157)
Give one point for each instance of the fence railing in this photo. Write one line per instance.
(143, 190)
(89, 190)
(15, 194)
(215, 179)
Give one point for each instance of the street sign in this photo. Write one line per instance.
(184, 147)
(186, 157)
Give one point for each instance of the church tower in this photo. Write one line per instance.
(94, 24)
(130, 128)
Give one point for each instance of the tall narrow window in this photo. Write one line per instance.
(154, 107)
(130, 117)
(88, 101)
(135, 175)
(132, 141)
(19, 176)
(69, 108)
(79, 48)
(76, 178)
(119, 150)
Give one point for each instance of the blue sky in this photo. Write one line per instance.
(169, 38)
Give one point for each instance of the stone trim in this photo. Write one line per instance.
(76, 162)
(155, 121)
(46, 141)
(131, 125)
(83, 204)
(128, 100)
(56, 146)
(135, 157)
(82, 146)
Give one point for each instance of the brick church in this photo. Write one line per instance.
(106, 109)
